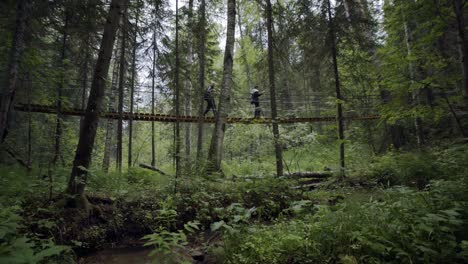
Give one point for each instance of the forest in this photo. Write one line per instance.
(233, 131)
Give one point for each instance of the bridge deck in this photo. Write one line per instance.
(193, 119)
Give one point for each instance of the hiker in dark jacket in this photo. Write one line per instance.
(255, 100)
(209, 98)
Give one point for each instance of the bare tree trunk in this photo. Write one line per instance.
(29, 155)
(189, 85)
(123, 70)
(271, 74)
(8, 91)
(132, 89)
(242, 48)
(286, 101)
(337, 89)
(177, 98)
(88, 56)
(415, 94)
(59, 118)
(110, 124)
(462, 44)
(85, 78)
(153, 76)
(201, 76)
(215, 154)
(78, 176)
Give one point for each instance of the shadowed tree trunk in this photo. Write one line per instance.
(85, 70)
(337, 89)
(8, 91)
(201, 75)
(153, 77)
(123, 70)
(59, 118)
(415, 94)
(243, 51)
(189, 85)
(271, 75)
(84, 149)
(110, 124)
(132, 89)
(215, 153)
(462, 44)
(177, 98)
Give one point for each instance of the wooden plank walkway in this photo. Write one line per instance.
(191, 119)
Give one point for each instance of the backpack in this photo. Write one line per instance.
(207, 95)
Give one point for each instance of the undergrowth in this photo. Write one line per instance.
(411, 209)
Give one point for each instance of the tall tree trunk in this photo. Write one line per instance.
(286, 101)
(123, 70)
(59, 118)
(177, 97)
(415, 94)
(29, 155)
(271, 75)
(189, 85)
(337, 89)
(462, 44)
(132, 88)
(88, 129)
(85, 78)
(153, 77)
(243, 51)
(8, 91)
(110, 124)
(215, 154)
(88, 56)
(201, 76)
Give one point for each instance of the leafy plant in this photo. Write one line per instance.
(15, 248)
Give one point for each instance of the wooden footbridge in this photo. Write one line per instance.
(190, 119)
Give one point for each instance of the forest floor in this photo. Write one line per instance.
(403, 207)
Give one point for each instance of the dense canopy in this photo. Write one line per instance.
(234, 131)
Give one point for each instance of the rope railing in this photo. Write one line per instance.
(191, 119)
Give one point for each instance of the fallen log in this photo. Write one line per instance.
(310, 174)
(149, 167)
(310, 180)
(16, 157)
(309, 187)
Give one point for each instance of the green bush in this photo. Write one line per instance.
(20, 249)
(411, 169)
(400, 226)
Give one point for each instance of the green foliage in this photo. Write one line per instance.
(400, 226)
(412, 169)
(166, 243)
(16, 248)
(417, 168)
(235, 215)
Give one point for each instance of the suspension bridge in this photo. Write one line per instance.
(139, 116)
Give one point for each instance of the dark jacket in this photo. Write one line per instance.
(255, 98)
(208, 96)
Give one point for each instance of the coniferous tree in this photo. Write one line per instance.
(122, 78)
(16, 51)
(88, 129)
(177, 138)
(201, 73)
(339, 98)
(271, 75)
(216, 148)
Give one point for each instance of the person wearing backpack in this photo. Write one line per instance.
(255, 100)
(209, 98)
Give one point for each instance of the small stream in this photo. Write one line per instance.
(119, 256)
(136, 255)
